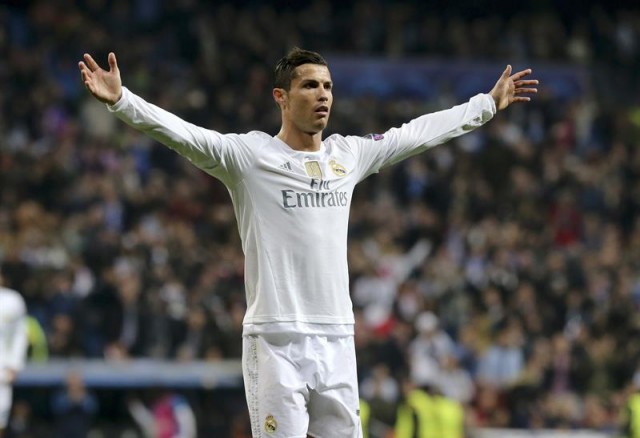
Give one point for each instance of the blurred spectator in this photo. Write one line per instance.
(22, 423)
(73, 408)
(169, 416)
(428, 350)
(503, 361)
(229, 345)
(199, 336)
(455, 382)
(425, 413)
(38, 349)
(381, 392)
(630, 416)
(126, 323)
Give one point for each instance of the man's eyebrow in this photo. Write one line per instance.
(315, 81)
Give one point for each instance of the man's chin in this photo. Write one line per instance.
(321, 124)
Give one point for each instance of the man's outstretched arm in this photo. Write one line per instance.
(105, 85)
(439, 127)
(211, 151)
(510, 88)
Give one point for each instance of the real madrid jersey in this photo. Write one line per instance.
(292, 207)
(13, 330)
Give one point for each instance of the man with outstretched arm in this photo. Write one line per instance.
(291, 194)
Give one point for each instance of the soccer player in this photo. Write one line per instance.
(291, 194)
(13, 347)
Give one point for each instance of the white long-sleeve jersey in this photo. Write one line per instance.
(13, 331)
(292, 207)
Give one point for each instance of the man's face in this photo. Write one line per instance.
(307, 104)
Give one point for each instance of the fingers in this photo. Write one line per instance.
(85, 73)
(525, 91)
(113, 64)
(521, 74)
(86, 77)
(523, 87)
(507, 71)
(90, 62)
(528, 82)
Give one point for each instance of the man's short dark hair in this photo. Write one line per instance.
(285, 68)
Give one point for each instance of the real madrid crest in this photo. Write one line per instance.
(337, 168)
(270, 424)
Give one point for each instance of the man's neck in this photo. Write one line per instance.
(301, 141)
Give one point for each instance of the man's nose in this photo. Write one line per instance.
(323, 95)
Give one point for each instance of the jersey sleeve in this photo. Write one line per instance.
(377, 151)
(224, 156)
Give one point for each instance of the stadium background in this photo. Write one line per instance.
(522, 238)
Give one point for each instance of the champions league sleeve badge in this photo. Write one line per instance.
(374, 137)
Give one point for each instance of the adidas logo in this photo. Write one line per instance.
(286, 166)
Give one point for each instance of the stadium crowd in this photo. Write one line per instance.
(502, 270)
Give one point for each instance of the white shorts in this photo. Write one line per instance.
(5, 404)
(298, 385)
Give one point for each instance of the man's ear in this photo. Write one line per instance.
(280, 96)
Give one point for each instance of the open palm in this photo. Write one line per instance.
(105, 85)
